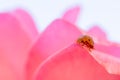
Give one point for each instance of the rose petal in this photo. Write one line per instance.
(110, 49)
(111, 63)
(108, 56)
(58, 35)
(27, 22)
(7, 72)
(97, 32)
(72, 14)
(73, 63)
(14, 42)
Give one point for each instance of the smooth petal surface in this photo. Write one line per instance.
(26, 22)
(109, 57)
(7, 72)
(14, 43)
(97, 32)
(72, 14)
(108, 54)
(58, 35)
(111, 63)
(73, 63)
(110, 49)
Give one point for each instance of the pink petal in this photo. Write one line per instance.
(6, 71)
(14, 42)
(73, 63)
(110, 63)
(109, 53)
(26, 21)
(110, 49)
(97, 32)
(58, 35)
(72, 14)
(109, 58)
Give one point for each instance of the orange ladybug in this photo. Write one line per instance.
(86, 41)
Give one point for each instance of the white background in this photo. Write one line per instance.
(105, 13)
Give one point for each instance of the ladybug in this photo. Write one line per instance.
(86, 41)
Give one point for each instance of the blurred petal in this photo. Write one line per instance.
(109, 57)
(14, 42)
(6, 71)
(26, 21)
(97, 32)
(73, 63)
(72, 14)
(110, 49)
(58, 35)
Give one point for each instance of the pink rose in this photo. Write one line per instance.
(54, 54)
